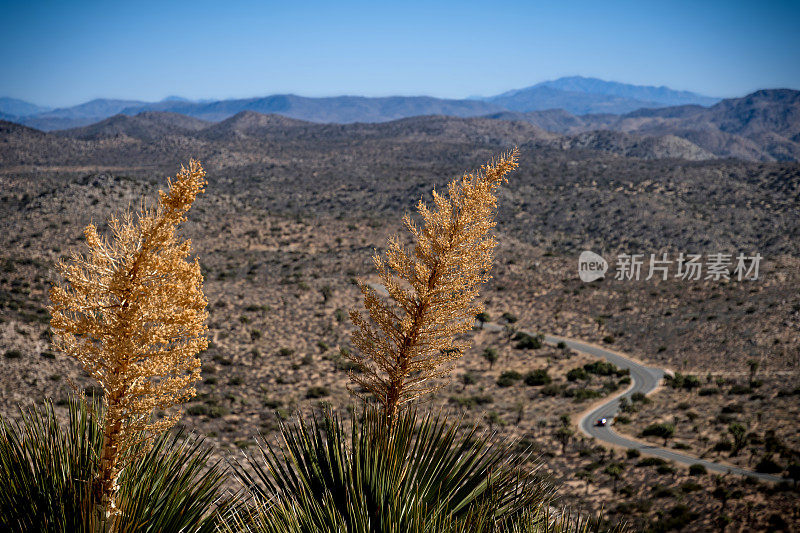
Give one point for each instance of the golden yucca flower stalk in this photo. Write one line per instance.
(133, 313)
(412, 337)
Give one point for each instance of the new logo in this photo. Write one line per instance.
(591, 266)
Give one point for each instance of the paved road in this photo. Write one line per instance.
(644, 379)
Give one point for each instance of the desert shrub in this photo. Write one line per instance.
(508, 317)
(197, 409)
(708, 391)
(677, 519)
(582, 394)
(740, 389)
(665, 469)
(508, 378)
(472, 401)
(12, 354)
(601, 368)
(527, 342)
(723, 445)
(690, 486)
(317, 392)
(651, 461)
(733, 408)
(468, 378)
(552, 390)
(681, 381)
(768, 466)
(217, 411)
(577, 373)
(639, 397)
(608, 339)
(632, 453)
(660, 491)
(537, 378)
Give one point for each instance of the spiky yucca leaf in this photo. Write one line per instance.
(417, 475)
(46, 474)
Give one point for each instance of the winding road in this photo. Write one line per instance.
(644, 379)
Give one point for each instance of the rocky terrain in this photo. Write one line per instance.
(294, 210)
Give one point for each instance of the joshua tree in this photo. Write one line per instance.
(490, 354)
(412, 337)
(614, 470)
(482, 318)
(564, 434)
(326, 292)
(132, 312)
(739, 434)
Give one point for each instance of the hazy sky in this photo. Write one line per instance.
(67, 52)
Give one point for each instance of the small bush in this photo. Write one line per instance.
(508, 378)
(651, 461)
(471, 401)
(768, 466)
(697, 470)
(197, 409)
(600, 368)
(527, 342)
(577, 373)
(690, 486)
(317, 392)
(13, 354)
(537, 378)
(508, 317)
(582, 394)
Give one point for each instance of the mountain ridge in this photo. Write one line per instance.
(576, 94)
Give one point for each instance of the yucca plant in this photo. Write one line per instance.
(47, 472)
(417, 475)
(132, 311)
(414, 336)
(409, 476)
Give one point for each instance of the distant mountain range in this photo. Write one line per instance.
(764, 125)
(583, 112)
(575, 95)
(579, 95)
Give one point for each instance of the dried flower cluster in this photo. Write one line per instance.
(132, 312)
(411, 338)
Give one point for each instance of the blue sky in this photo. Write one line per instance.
(64, 53)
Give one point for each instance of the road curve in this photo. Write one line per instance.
(644, 379)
